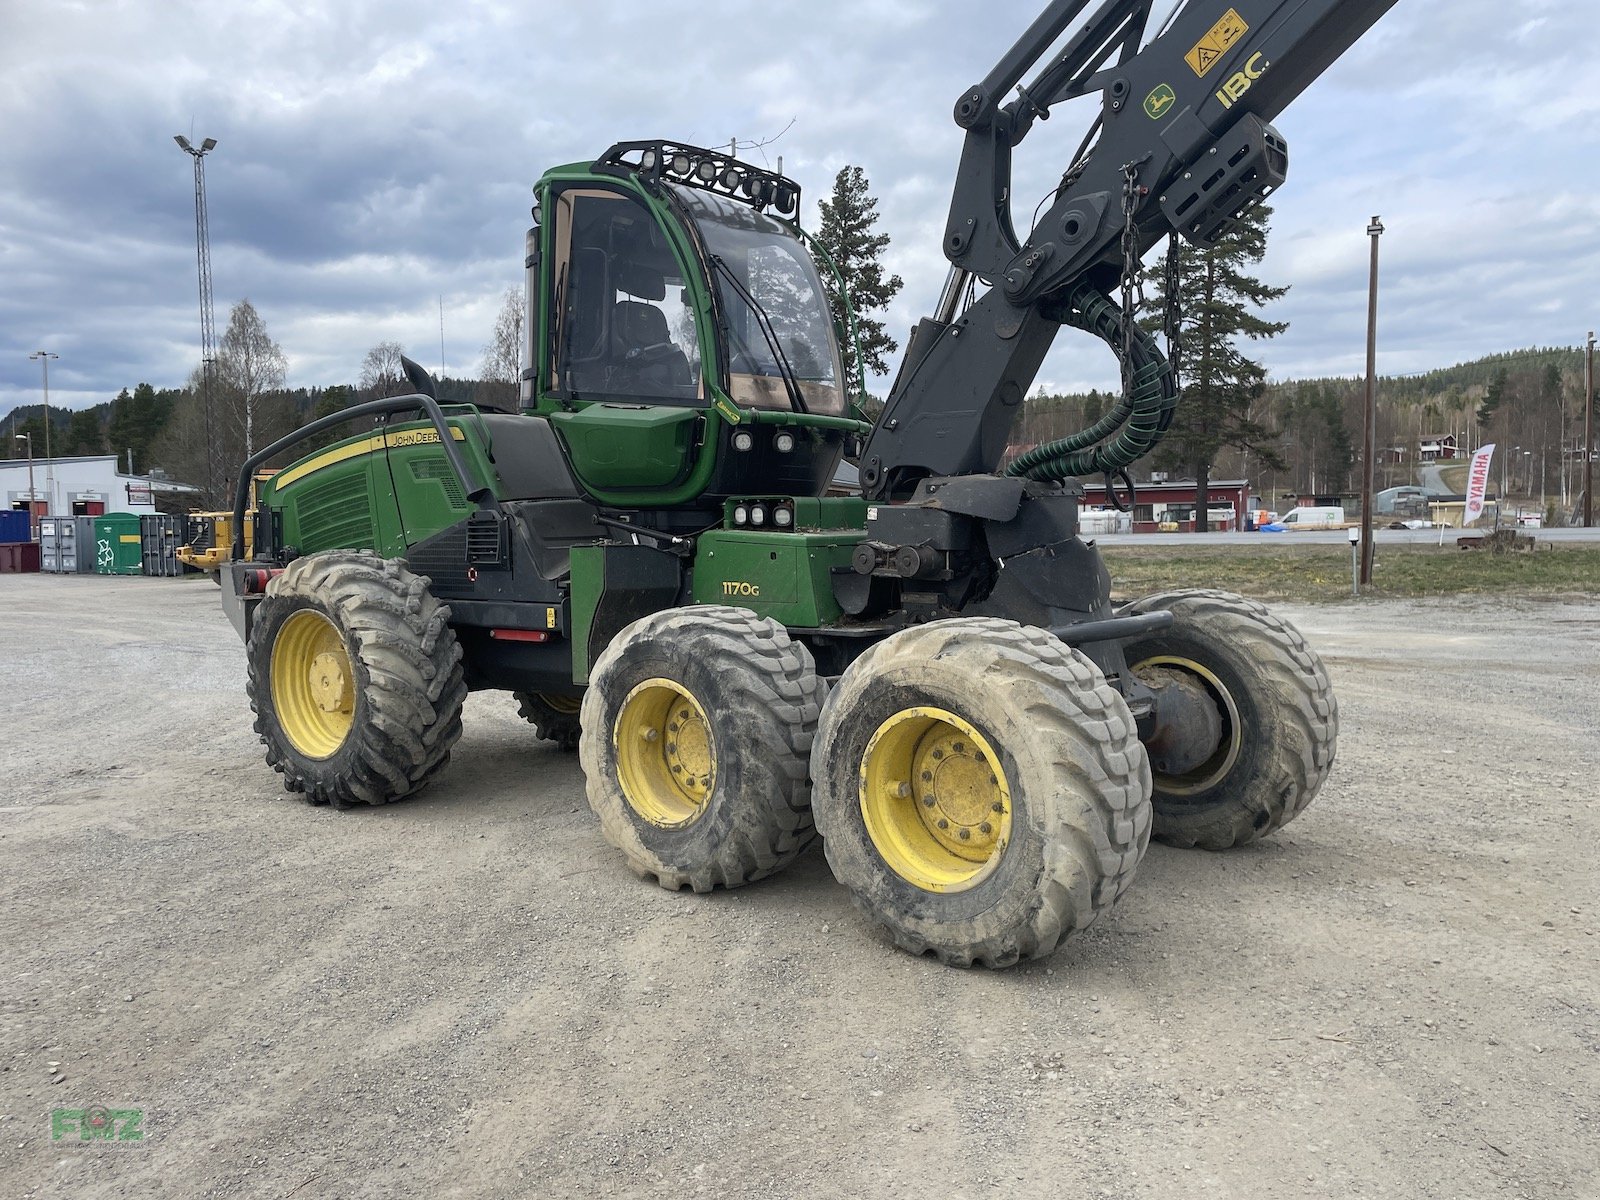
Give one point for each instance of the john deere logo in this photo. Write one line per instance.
(1159, 101)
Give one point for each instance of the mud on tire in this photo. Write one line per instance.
(554, 718)
(758, 699)
(1077, 777)
(404, 670)
(1287, 717)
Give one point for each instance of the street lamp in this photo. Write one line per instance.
(28, 437)
(44, 357)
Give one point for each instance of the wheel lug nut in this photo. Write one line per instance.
(928, 801)
(927, 777)
(938, 754)
(964, 834)
(959, 747)
(986, 829)
(943, 824)
(999, 808)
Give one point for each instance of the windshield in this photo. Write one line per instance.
(765, 268)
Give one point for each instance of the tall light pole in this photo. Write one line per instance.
(32, 525)
(1368, 436)
(1588, 433)
(44, 357)
(208, 329)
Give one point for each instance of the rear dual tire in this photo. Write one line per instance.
(1277, 710)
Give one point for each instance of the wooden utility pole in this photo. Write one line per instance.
(1368, 436)
(1588, 433)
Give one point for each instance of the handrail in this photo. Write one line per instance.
(475, 491)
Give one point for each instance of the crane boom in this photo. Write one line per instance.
(1183, 144)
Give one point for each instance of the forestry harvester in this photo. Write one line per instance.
(930, 673)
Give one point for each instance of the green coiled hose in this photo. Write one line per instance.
(1138, 421)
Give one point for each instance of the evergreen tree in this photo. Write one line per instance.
(1219, 303)
(1493, 399)
(848, 220)
(83, 434)
(120, 429)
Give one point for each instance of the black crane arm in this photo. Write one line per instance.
(1183, 142)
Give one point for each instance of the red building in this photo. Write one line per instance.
(1170, 507)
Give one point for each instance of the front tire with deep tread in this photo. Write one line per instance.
(1288, 717)
(407, 688)
(759, 699)
(1076, 776)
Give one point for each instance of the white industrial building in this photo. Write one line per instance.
(82, 486)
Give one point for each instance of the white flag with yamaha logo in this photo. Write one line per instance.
(1477, 483)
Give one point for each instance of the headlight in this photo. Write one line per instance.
(758, 515)
(741, 515)
(731, 178)
(784, 442)
(680, 164)
(744, 440)
(782, 518)
(706, 171)
(648, 160)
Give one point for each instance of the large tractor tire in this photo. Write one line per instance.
(697, 731)
(980, 789)
(1275, 709)
(554, 718)
(355, 679)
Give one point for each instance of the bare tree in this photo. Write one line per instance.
(502, 357)
(381, 373)
(249, 365)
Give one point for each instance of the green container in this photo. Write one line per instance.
(117, 545)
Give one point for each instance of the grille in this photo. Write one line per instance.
(337, 514)
(438, 470)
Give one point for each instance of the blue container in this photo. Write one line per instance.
(14, 526)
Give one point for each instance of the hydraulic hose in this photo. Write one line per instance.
(1138, 421)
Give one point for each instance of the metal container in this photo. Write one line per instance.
(18, 557)
(84, 535)
(58, 545)
(117, 545)
(14, 526)
(160, 535)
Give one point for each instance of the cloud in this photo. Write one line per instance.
(374, 159)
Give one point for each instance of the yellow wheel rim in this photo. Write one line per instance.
(1210, 772)
(566, 705)
(666, 759)
(935, 800)
(313, 685)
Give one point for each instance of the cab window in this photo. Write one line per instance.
(624, 323)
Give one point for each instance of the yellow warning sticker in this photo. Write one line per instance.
(1210, 49)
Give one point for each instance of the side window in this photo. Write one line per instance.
(624, 326)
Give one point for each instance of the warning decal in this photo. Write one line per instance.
(1224, 34)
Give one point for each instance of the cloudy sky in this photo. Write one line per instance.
(374, 158)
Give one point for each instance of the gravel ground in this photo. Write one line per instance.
(467, 994)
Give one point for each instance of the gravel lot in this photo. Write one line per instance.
(467, 994)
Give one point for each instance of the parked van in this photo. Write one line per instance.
(1313, 518)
